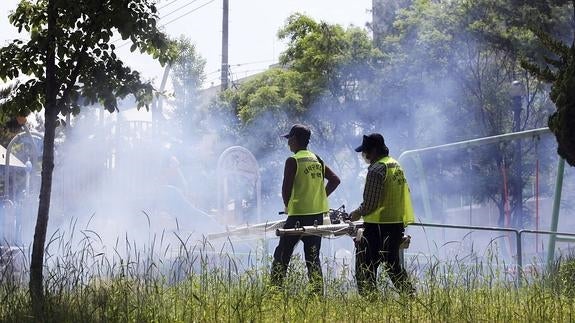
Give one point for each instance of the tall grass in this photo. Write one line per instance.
(175, 279)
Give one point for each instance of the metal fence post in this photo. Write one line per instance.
(519, 262)
(555, 214)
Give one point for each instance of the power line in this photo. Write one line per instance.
(239, 75)
(213, 72)
(167, 4)
(255, 62)
(212, 81)
(249, 71)
(160, 18)
(235, 76)
(243, 64)
(175, 19)
(187, 13)
(178, 9)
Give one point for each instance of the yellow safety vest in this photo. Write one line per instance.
(395, 205)
(308, 195)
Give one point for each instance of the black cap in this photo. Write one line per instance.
(299, 131)
(371, 141)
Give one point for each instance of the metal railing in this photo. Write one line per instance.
(518, 239)
(415, 155)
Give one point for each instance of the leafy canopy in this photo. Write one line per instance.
(322, 62)
(88, 70)
(187, 77)
(560, 72)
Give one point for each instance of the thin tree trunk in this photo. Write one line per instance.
(51, 113)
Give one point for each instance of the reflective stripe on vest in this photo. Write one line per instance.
(395, 205)
(308, 195)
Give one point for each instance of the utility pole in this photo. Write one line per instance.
(224, 74)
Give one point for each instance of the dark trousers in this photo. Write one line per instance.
(311, 247)
(380, 245)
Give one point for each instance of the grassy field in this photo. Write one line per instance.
(87, 285)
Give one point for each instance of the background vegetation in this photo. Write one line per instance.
(198, 282)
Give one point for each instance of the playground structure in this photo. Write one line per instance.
(18, 186)
(239, 186)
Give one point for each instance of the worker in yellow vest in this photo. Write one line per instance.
(305, 200)
(386, 211)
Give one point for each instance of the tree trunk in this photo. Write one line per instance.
(51, 113)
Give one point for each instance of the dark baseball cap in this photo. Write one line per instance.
(299, 131)
(371, 141)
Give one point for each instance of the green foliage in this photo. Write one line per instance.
(329, 56)
(188, 75)
(188, 67)
(462, 57)
(320, 60)
(560, 72)
(277, 89)
(11, 127)
(87, 65)
(562, 276)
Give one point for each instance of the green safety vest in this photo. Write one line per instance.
(308, 195)
(395, 205)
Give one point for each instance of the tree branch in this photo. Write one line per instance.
(71, 81)
(79, 64)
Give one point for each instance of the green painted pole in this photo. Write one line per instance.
(555, 214)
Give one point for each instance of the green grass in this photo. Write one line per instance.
(200, 284)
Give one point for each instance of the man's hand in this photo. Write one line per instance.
(354, 216)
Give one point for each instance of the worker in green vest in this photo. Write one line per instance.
(305, 200)
(386, 211)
